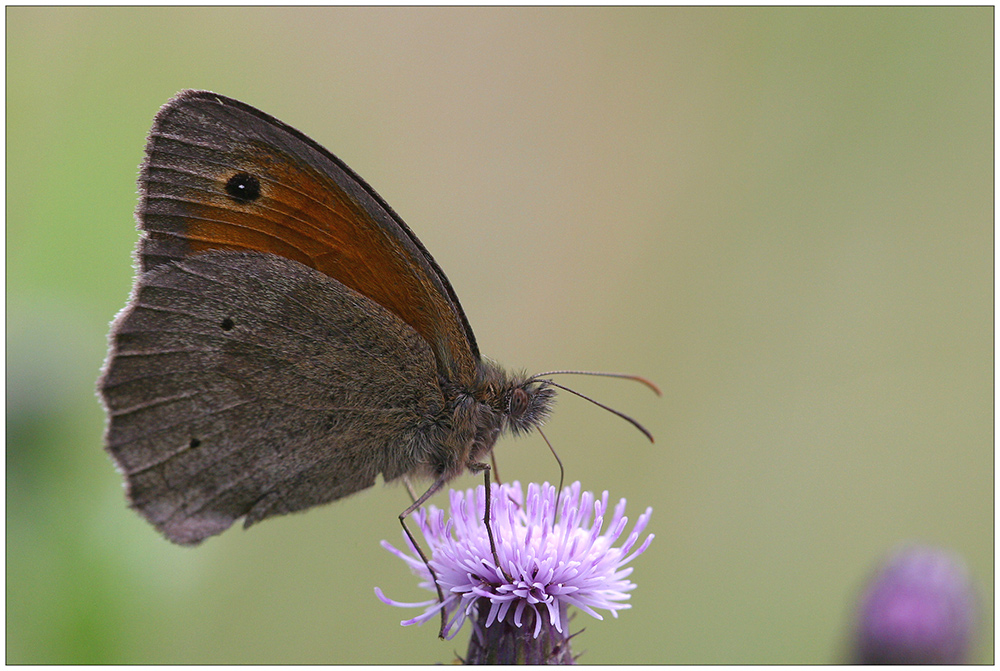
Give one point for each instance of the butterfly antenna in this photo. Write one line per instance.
(562, 474)
(628, 419)
(624, 376)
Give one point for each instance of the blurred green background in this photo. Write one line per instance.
(783, 216)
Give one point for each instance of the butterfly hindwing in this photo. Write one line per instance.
(246, 384)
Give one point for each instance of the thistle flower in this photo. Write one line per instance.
(547, 563)
(918, 609)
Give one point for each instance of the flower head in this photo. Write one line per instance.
(547, 562)
(918, 609)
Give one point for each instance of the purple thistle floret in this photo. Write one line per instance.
(548, 566)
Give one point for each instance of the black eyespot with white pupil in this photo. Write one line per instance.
(243, 188)
(518, 402)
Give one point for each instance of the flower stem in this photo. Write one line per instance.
(504, 642)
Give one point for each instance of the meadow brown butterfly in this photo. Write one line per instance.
(288, 338)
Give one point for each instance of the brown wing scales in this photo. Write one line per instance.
(308, 209)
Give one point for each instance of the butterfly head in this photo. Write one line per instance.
(528, 404)
(517, 403)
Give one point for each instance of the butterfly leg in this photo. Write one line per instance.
(496, 471)
(409, 488)
(485, 468)
(562, 475)
(417, 502)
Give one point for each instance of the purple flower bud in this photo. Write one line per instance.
(918, 609)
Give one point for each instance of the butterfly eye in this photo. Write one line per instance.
(518, 402)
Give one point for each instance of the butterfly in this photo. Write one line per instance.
(288, 338)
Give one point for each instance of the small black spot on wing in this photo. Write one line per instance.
(243, 187)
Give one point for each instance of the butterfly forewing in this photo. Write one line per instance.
(220, 174)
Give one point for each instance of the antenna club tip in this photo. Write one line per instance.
(649, 383)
